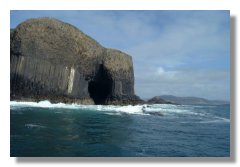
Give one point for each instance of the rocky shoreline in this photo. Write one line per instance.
(111, 101)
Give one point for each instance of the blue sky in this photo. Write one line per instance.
(183, 53)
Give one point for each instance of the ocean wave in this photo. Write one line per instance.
(154, 109)
(111, 109)
(216, 121)
(185, 114)
(47, 104)
(34, 126)
(41, 104)
(209, 120)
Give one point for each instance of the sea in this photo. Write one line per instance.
(160, 130)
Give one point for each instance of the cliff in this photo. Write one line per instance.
(56, 61)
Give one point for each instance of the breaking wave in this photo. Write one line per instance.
(34, 126)
(167, 110)
(47, 104)
(137, 109)
(41, 104)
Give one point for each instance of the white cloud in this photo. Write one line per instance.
(160, 71)
(203, 83)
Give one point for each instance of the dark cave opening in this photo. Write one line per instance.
(100, 88)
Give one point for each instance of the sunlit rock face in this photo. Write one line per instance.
(52, 60)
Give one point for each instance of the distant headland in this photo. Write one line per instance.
(170, 99)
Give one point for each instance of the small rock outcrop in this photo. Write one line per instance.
(55, 61)
(158, 100)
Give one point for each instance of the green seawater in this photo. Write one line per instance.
(49, 130)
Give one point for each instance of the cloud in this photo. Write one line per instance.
(202, 83)
(160, 71)
(182, 41)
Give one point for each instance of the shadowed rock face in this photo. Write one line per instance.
(55, 61)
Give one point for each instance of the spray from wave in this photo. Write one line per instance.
(111, 109)
(166, 110)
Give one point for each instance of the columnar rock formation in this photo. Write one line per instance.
(55, 61)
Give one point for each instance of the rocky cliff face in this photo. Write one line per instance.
(56, 61)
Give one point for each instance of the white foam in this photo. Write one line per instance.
(165, 109)
(34, 126)
(169, 109)
(104, 108)
(137, 109)
(223, 119)
(42, 104)
(113, 110)
(216, 121)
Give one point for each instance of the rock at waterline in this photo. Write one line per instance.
(145, 110)
(158, 100)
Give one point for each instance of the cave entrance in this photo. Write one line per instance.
(100, 88)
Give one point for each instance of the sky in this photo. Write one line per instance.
(181, 53)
